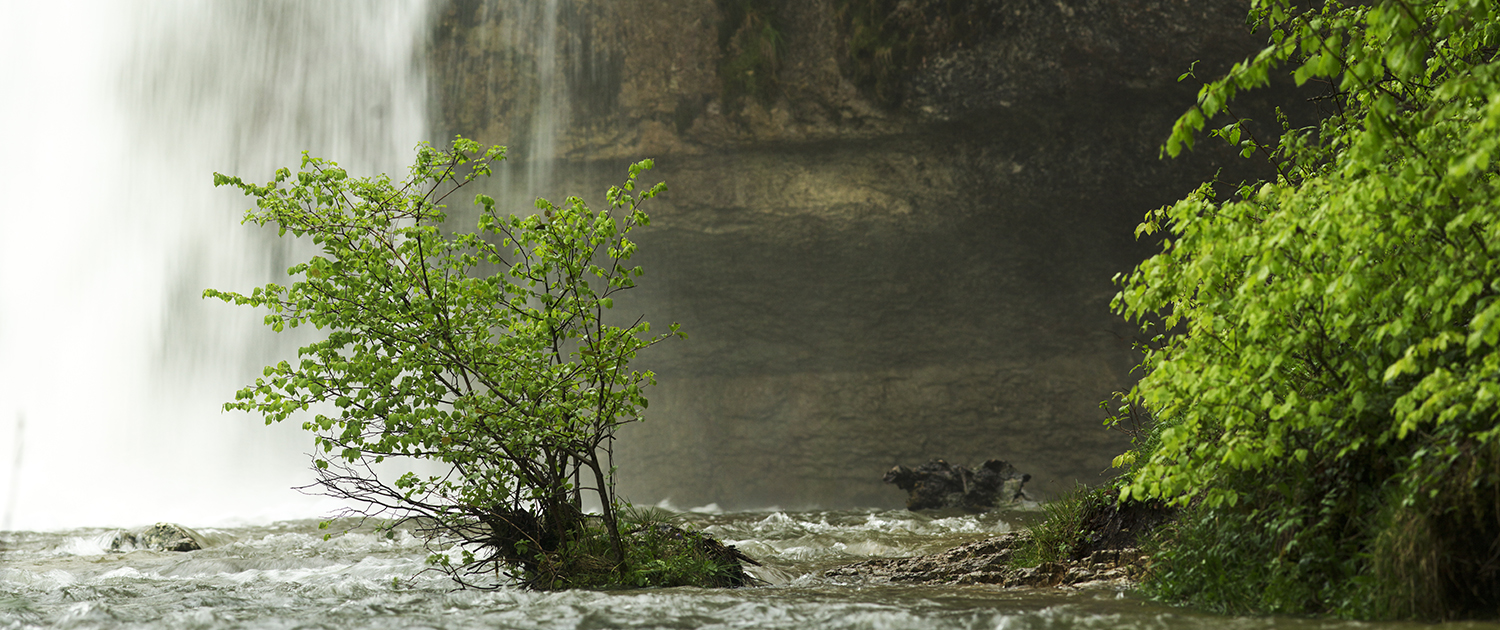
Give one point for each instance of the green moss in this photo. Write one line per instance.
(751, 48)
(885, 39)
(882, 41)
(659, 552)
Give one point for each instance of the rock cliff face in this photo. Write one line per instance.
(891, 230)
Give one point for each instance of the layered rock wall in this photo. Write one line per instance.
(873, 268)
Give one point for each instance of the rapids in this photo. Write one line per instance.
(285, 575)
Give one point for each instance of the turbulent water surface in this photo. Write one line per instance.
(286, 575)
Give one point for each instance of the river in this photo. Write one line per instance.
(286, 575)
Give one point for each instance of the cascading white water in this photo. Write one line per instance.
(551, 114)
(115, 117)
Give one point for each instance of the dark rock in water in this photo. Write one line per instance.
(938, 484)
(158, 537)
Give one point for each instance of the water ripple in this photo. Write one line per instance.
(288, 576)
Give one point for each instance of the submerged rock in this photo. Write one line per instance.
(938, 484)
(158, 537)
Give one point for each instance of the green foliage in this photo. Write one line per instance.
(486, 351)
(1295, 557)
(752, 47)
(1215, 562)
(886, 38)
(1327, 344)
(1443, 514)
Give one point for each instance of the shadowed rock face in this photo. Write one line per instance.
(867, 278)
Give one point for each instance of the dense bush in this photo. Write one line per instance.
(1325, 365)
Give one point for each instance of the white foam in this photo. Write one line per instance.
(122, 572)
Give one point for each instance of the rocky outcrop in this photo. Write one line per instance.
(639, 77)
(1102, 550)
(1112, 526)
(874, 263)
(158, 537)
(991, 561)
(937, 484)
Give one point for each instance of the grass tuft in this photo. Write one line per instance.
(1055, 538)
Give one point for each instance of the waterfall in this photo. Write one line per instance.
(551, 114)
(544, 39)
(116, 116)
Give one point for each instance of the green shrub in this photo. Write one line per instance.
(487, 351)
(1325, 370)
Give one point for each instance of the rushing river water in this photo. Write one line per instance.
(285, 575)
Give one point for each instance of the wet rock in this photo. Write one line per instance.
(646, 77)
(938, 484)
(158, 537)
(990, 561)
(1114, 527)
(982, 562)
